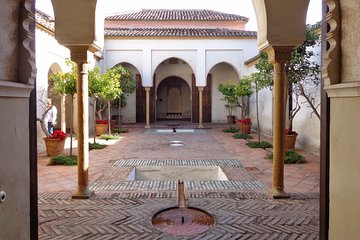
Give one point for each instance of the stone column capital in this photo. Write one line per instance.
(147, 89)
(280, 54)
(80, 54)
(201, 88)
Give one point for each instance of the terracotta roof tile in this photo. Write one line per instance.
(177, 32)
(176, 15)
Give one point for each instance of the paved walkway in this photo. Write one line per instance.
(122, 209)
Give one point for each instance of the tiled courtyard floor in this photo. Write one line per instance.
(122, 209)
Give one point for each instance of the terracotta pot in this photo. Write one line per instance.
(244, 128)
(231, 119)
(290, 141)
(101, 129)
(54, 147)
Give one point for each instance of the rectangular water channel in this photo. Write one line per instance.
(166, 173)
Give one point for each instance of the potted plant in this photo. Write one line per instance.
(231, 99)
(290, 139)
(101, 127)
(244, 125)
(55, 143)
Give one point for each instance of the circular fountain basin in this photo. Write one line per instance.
(183, 221)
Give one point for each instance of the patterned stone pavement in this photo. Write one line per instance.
(123, 209)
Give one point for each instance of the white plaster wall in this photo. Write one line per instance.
(48, 51)
(200, 54)
(344, 169)
(265, 111)
(221, 73)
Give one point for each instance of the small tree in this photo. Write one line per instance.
(111, 89)
(260, 83)
(230, 97)
(301, 73)
(96, 85)
(244, 91)
(233, 95)
(127, 84)
(65, 84)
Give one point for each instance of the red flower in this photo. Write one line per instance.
(245, 121)
(102, 122)
(59, 135)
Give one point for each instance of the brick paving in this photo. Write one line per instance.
(122, 209)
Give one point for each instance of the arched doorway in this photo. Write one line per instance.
(173, 99)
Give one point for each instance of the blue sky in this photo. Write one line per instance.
(239, 7)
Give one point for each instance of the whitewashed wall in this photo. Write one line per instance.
(201, 56)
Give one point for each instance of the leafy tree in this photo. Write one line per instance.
(96, 85)
(127, 85)
(111, 89)
(65, 84)
(302, 74)
(233, 94)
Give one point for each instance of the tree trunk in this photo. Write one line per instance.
(71, 123)
(257, 112)
(109, 119)
(43, 124)
(94, 120)
(120, 118)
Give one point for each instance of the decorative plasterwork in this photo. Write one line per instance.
(27, 65)
(332, 54)
(343, 90)
(13, 89)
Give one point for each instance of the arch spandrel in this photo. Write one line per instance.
(277, 27)
(76, 23)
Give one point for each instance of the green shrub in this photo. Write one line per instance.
(64, 160)
(291, 157)
(261, 144)
(121, 130)
(231, 130)
(242, 136)
(109, 137)
(96, 146)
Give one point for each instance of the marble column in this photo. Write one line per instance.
(201, 90)
(279, 56)
(81, 55)
(147, 91)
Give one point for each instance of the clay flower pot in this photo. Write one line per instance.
(101, 129)
(290, 140)
(244, 125)
(54, 146)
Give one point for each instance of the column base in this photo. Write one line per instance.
(200, 126)
(82, 194)
(278, 194)
(147, 127)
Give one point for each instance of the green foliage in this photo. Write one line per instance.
(242, 136)
(96, 146)
(64, 160)
(230, 96)
(122, 130)
(64, 83)
(233, 92)
(109, 137)
(244, 88)
(262, 144)
(230, 130)
(96, 82)
(291, 157)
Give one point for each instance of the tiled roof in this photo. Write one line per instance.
(45, 20)
(177, 32)
(176, 15)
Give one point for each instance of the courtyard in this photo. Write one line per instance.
(122, 207)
